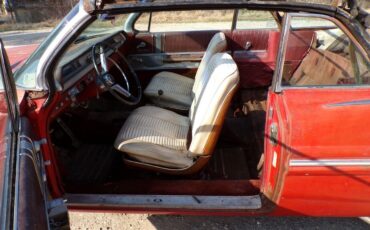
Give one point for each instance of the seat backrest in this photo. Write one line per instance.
(321, 67)
(211, 102)
(218, 44)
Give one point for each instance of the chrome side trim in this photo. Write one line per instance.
(329, 162)
(349, 103)
(165, 201)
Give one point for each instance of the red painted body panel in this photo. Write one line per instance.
(39, 119)
(19, 54)
(273, 158)
(325, 124)
(4, 121)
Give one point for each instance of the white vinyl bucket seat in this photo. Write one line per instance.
(171, 90)
(163, 140)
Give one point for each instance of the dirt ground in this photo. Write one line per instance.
(113, 221)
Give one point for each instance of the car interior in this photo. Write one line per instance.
(178, 111)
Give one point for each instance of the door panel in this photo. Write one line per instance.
(328, 144)
(143, 43)
(242, 40)
(275, 159)
(255, 53)
(24, 183)
(178, 52)
(323, 135)
(253, 50)
(31, 209)
(256, 61)
(191, 41)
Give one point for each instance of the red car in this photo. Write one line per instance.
(196, 107)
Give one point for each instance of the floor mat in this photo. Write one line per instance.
(245, 127)
(227, 163)
(91, 164)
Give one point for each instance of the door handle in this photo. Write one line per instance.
(274, 134)
(141, 45)
(248, 45)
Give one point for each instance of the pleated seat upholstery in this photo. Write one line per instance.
(162, 138)
(177, 91)
(156, 136)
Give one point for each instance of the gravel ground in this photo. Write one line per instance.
(113, 221)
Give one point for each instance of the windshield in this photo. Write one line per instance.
(103, 26)
(25, 77)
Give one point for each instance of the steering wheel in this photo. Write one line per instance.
(120, 92)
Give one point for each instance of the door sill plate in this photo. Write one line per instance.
(165, 201)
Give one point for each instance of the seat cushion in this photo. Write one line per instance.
(156, 136)
(218, 44)
(177, 90)
(211, 101)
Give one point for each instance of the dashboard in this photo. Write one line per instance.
(75, 75)
(77, 60)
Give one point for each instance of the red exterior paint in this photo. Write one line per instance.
(273, 158)
(39, 118)
(19, 54)
(3, 140)
(316, 128)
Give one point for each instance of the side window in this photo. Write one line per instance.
(306, 23)
(319, 53)
(8, 98)
(253, 19)
(194, 20)
(143, 22)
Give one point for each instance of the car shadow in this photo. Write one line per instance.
(162, 222)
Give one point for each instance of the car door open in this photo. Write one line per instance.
(317, 119)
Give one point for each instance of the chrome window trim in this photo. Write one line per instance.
(328, 162)
(76, 22)
(278, 75)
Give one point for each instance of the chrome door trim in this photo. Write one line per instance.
(61, 39)
(280, 59)
(350, 103)
(329, 162)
